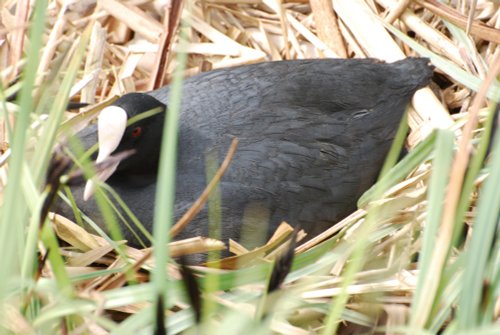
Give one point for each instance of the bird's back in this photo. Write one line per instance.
(313, 135)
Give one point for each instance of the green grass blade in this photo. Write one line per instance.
(476, 162)
(481, 244)
(165, 191)
(44, 149)
(14, 209)
(443, 157)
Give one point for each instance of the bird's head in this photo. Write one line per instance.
(133, 122)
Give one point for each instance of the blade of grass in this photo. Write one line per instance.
(44, 148)
(443, 156)
(14, 209)
(214, 231)
(165, 193)
(445, 309)
(492, 289)
(481, 246)
(477, 161)
(33, 230)
(56, 261)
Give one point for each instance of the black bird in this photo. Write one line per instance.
(313, 135)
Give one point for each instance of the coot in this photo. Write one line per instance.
(313, 135)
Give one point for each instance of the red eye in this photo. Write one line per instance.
(136, 132)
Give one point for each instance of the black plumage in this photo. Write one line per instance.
(313, 135)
